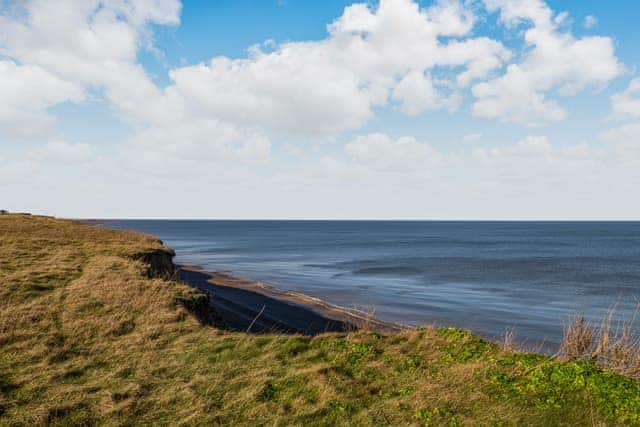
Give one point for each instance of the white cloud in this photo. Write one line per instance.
(314, 88)
(381, 152)
(487, 55)
(377, 176)
(77, 39)
(531, 178)
(623, 133)
(255, 149)
(626, 138)
(531, 147)
(590, 22)
(333, 84)
(627, 103)
(81, 43)
(534, 149)
(209, 131)
(64, 152)
(417, 94)
(534, 164)
(280, 91)
(515, 98)
(193, 145)
(75, 45)
(515, 12)
(26, 91)
(13, 172)
(472, 137)
(557, 62)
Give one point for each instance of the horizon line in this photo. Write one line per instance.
(353, 219)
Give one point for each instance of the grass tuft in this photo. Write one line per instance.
(613, 344)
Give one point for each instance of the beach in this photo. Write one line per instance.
(253, 306)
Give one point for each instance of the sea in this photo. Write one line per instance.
(526, 279)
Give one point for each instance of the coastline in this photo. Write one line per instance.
(250, 305)
(239, 301)
(100, 328)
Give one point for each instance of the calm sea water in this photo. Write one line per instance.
(486, 276)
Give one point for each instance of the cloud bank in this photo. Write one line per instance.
(219, 127)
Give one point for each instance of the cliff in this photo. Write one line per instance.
(94, 330)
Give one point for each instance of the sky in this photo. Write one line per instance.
(293, 109)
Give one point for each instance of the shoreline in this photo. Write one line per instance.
(251, 305)
(246, 304)
(240, 300)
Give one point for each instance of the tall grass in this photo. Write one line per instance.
(612, 344)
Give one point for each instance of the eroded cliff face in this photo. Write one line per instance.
(160, 262)
(160, 265)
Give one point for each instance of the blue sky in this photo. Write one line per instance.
(228, 27)
(478, 109)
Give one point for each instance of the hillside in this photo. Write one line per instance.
(93, 330)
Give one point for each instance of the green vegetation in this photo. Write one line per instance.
(86, 336)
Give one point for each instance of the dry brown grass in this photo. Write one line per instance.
(613, 344)
(87, 338)
(509, 340)
(578, 338)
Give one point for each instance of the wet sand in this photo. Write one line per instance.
(249, 305)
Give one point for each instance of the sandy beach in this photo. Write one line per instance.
(246, 304)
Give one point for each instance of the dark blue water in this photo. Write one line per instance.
(486, 276)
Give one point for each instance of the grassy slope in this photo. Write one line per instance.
(85, 337)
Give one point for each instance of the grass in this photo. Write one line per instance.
(613, 344)
(87, 337)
